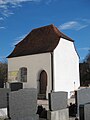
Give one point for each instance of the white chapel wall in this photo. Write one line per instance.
(66, 67)
(34, 64)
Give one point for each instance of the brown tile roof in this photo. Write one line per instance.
(39, 40)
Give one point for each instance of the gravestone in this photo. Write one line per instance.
(83, 97)
(87, 111)
(23, 104)
(58, 100)
(33, 117)
(3, 113)
(3, 97)
(81, 112)
(58, 115)
(84, 112)
(16, 86)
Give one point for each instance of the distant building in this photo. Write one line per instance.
(45, 59)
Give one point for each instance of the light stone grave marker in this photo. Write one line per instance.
(83, 97)
(58, 100)
(87, 111)
(23, 104)
(58, 115)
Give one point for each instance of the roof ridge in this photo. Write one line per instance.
(60, 34)
(56, 30)
(42, 27)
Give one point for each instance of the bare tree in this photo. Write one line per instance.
(85, 71)
(87, 59)
(3, 73)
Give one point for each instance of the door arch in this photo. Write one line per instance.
(43, 84)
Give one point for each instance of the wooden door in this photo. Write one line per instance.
(43, 83)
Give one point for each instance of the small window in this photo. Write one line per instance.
(23, 74)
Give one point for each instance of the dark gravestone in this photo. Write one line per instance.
(16, 86)
(3, 97)
(81, 112)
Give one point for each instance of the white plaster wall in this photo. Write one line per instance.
(35, 64)
(66, 67)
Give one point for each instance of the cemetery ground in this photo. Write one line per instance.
(23, 105)
(44, 103)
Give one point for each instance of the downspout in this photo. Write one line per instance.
(52, 71)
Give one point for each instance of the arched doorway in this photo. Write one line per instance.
(42, 85)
